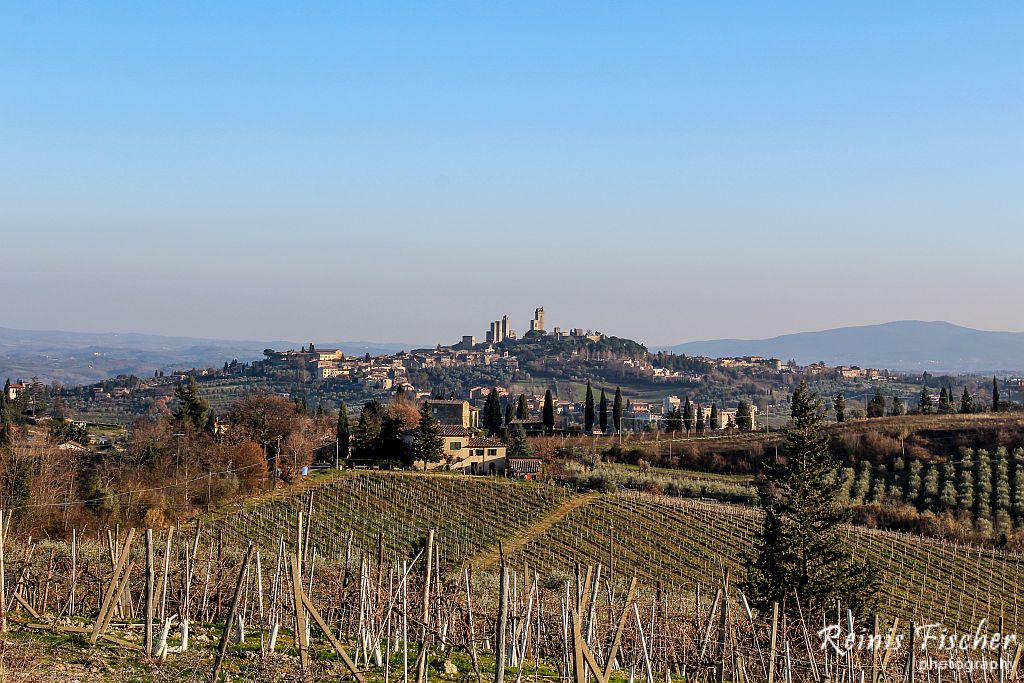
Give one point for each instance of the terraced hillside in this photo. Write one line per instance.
(677, 542)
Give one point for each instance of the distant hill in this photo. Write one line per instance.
(902, 345)
(84, 357)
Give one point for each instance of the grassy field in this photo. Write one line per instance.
(676, 542)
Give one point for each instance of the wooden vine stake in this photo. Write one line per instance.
(222, 648)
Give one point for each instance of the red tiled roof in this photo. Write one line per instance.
(525, 465)
(484, 442)
(453, 430)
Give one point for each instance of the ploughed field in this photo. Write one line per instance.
(679, 543)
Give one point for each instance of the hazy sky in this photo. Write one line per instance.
(408, 172)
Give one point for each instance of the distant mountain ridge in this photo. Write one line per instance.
(87, 357)
(902, 345)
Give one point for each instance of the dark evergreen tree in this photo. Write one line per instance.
(549, 411)
(673, 421)
(967, 404)
(617, 410)
(924, 401)
(839, 405)
(211, 423)
(588, 410)
(427, 444)
(943, 400)
(518, 444)
(366, 435)
(688, 421)
(602, 412)
(522, 408)
(192, 406)
(996, 405)
(700, 419)
(876, 406)
(342, 432)
(898, 407)
(744, 416)
(509, 414)
(716, 422)
(492, 413)
(392, 450)
(800, 546)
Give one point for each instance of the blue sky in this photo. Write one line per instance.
(410, 171)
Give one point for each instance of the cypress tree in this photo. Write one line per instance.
(995, 396)
(492, 413)
(588, 410)
(603, 412)
(617, 410)
(549, 411)
(427, 444)
(715, 421)
(509, 414)
(342, 432)
(967, 402)
(800, 546)
(211, 423)
(688, 415)
(924, 401)
(743, 416)
(839, 404)
(700, 419)
(522, 409)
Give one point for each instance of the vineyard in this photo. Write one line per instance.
(674, 542)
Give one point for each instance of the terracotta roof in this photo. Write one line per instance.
(453, 430)
(484, 442)
(525, 465)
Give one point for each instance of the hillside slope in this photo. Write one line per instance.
(673, 541)
(901, 345)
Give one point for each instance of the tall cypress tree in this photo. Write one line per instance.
(603, 412)
(839, 405)
(588, 409)
(509, 414)
(549, 411)
(617, 410)
(700, 419)
(800, 546)
(715, 420)
(427, 444)
(342, 432)
(492, 413)
(995, 396)
(688, 415)
(522, 409)
(744, 416)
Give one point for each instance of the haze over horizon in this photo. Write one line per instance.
(409, 173)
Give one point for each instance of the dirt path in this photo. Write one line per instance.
(491, 557)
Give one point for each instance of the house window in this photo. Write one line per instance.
(492, 451)
(456, 446)
(479, 451)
